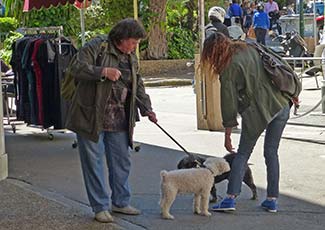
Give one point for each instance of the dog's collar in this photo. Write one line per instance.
(209, 169)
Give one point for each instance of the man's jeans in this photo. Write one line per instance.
(260, 35)
(112, 146)
(272, 139)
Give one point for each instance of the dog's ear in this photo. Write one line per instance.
(181, 164)
(223, 167)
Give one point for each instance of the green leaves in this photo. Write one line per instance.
(8, 24)
(5, 52)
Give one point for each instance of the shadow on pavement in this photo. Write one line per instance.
(54, 166)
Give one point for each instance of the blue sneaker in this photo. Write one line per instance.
(270, 205)
(227, 204)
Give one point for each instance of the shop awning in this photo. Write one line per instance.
(37, 4)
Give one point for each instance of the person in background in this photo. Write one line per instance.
(271, 6)
(248, 13)
(261, 24)
(103, 113)
(216, 15)
(246, 89)
(2, 9)
(227, 21)
(235, 13)
(290, 9)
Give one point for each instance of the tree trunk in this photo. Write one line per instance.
(191, 6)
(157, 42)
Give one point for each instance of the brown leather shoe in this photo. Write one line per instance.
(104, 217)
(128, 210)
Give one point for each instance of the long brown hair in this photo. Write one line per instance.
(218, 51)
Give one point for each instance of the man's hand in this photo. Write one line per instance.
(112, 74)
(152, 116)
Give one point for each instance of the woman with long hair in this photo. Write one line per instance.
(246, 89)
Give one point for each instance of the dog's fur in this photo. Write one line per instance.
(195, 180)
(191, 162)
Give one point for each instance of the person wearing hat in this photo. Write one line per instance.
(216, 15)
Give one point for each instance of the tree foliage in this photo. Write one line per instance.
(180, 28)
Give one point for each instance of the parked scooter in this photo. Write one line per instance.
(291, 44)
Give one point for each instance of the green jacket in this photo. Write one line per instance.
(86, 113)
(247, 89)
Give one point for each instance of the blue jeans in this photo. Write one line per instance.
(272, 139)
(112, 147)
(260, 35)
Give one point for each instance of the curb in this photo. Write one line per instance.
(304, 140)
(167, 82)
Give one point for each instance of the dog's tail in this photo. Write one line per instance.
(163, 174)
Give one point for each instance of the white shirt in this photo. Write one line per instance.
(269, 7)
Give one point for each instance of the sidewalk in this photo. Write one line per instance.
(45, 189)
(23, 207)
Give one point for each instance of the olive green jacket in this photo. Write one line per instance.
(247, 89)
(86, 113)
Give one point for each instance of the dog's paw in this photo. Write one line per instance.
(197, 211)
(167, 217)
(254, 197)
(206, 213)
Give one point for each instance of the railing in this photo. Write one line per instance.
(314, 70)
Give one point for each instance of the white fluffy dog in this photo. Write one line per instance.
(195, 180)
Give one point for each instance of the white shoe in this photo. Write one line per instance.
(104, 217)
(128, 210)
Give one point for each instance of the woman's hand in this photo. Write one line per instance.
(228, 144)
(112, 74)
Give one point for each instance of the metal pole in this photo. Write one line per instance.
(135, 9)
(3, 156)
(301, 19)
(323, 94)
(314, 25)
(201, 23)
(202, 35)
(82, 25)
(135, 15)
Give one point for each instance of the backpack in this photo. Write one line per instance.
(69, 83)
(210, 29)
(282, 75)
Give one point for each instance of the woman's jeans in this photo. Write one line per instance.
(112, 147)
(272, 139)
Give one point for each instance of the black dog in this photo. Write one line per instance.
(195, 161)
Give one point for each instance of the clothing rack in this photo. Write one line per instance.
(60, 41)
(38, 30)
